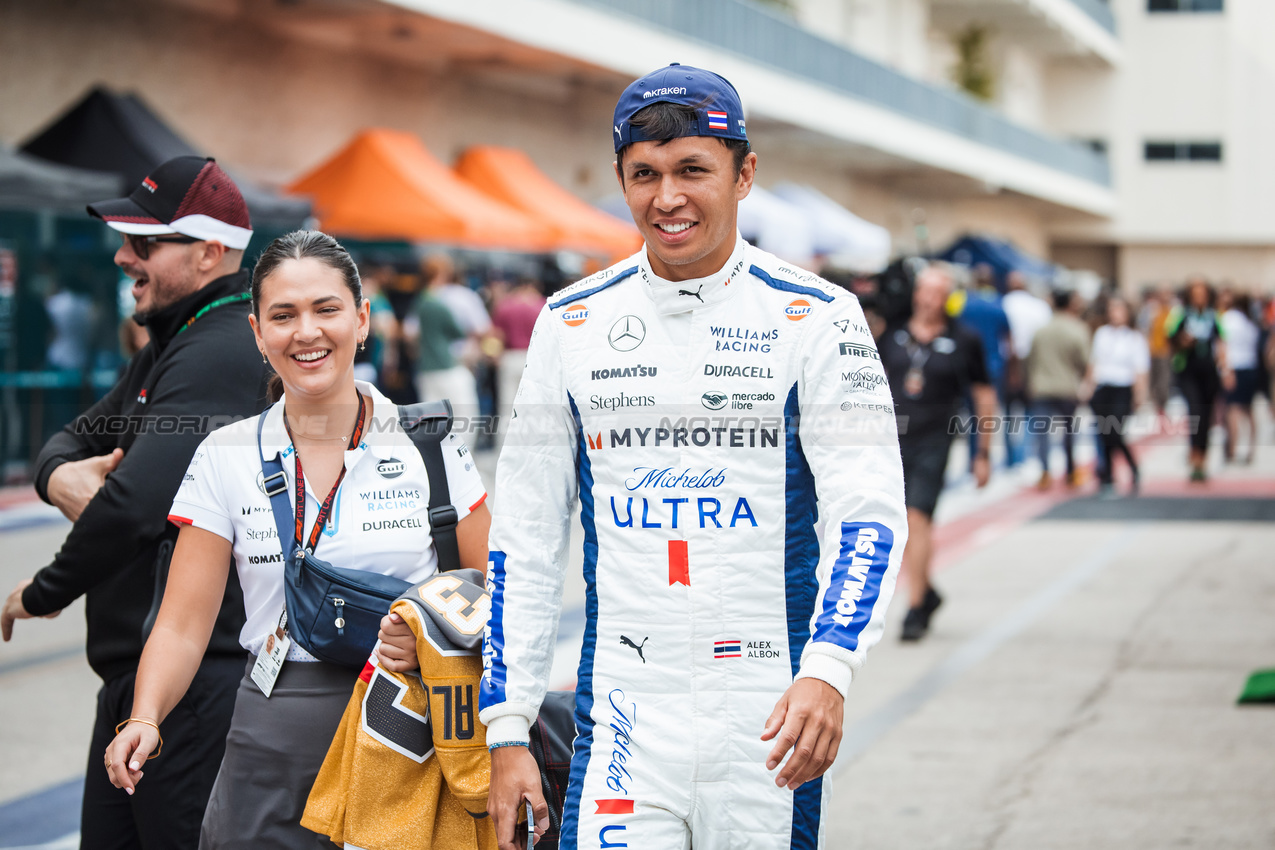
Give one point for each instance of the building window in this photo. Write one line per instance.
(1184, 5)
(1182, 151)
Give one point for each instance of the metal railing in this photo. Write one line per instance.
(1100, 11)
(770, 38)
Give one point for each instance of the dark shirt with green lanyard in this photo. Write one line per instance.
(200, 371)
(1205, 329)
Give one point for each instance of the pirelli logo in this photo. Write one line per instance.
(852, 349)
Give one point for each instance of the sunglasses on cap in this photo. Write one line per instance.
(141, 245)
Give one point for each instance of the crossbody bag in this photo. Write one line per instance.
(335, 613)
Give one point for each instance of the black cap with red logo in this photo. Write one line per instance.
(189, 195)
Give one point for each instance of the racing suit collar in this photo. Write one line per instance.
(680, 296)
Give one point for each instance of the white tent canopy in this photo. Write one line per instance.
(846, 240)
(775, 225)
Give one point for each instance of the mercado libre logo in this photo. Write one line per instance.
(575, 315)
(797, 310)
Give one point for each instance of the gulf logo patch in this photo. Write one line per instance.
(575, 315)
(797, 310)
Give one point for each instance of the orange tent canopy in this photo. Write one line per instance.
(385, 185)
(510, 176)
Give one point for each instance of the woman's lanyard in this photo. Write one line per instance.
(326, 508)
(229, 299)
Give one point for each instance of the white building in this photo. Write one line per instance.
(852, 96)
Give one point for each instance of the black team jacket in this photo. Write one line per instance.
(175, 391)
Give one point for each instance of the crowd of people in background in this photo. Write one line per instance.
(1052, 352)
(440, 332)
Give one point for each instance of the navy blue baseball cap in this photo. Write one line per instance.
(719, 112)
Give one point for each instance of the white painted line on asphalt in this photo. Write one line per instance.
(70, 841)
(863, 734)
(47, 657)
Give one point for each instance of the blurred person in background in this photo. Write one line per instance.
(1026, 314)
(1116, 384)
(932, 363)
(978, 307)
(514, 318)
(430, 331)
(1243, 353)
(380, 350)
(1194, 329)
(468, 309)
(71, 317)
(1056, 367)
(1152, 319)
(184, 231)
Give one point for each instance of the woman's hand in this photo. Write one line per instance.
(128, 753)
(397, 652)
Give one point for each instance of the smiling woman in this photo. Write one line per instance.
(338, 442)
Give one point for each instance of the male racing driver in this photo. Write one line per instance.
(725, 422)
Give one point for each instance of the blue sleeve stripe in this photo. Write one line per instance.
(595, 290)
(856, 583)
(785, 286)
(584, 677)
(492, 690)
(801, 546)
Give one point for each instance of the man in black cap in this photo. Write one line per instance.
(114, 470)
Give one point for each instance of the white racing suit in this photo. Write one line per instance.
(715, 432)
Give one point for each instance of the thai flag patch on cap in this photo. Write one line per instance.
(717, 120)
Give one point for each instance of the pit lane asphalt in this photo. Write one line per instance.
(1077, 688)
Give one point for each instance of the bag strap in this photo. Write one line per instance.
(275, 485)
(428, 423)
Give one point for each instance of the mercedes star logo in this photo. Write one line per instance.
(627, 333)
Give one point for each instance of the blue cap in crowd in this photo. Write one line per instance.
(716, 102)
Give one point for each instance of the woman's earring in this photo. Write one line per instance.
(263, 358)
(361, 344)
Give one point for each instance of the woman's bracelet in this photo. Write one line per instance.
(500, 744)
(158, 749)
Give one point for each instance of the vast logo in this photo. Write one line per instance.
(390, 468)
(797, 310)
(575, 315)
(851, 349)
(714, 400)
(863, 378)
(845, 324)
(627, 333)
